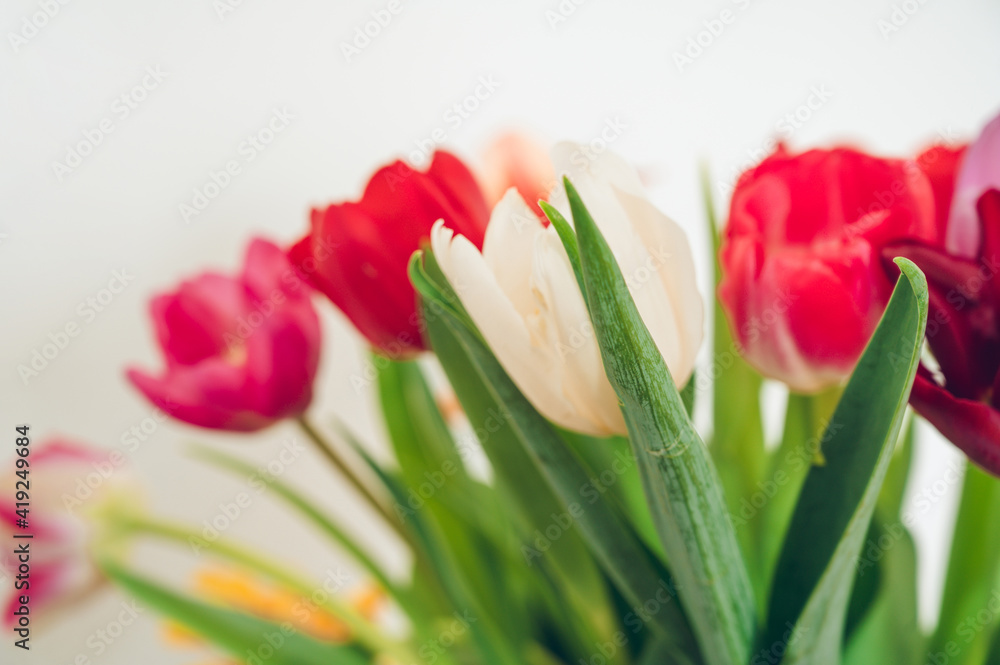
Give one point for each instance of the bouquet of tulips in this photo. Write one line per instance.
(562, 307)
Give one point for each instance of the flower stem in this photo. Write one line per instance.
(328, 451)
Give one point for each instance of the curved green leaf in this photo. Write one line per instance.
(241, 635)
(816, 569)
(681, 483)
(535, 441)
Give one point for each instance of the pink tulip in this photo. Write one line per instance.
(514, 160)
(61, 568)
(241, 352)
(979, 172)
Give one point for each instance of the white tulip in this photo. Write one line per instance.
(522, 293)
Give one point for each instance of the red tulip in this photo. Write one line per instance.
(61, 475)
(963, 333)
(803, 285)
(962, 398)
(357, 253)
(241, 352)
(940, 164)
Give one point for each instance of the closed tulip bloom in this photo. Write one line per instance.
(357, 253)
(802, 281)
(522, 293)
(962, 398)
(241, 352)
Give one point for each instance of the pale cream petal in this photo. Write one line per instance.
(531, 366)
(508, 248)
(671, 266)
(583, 380)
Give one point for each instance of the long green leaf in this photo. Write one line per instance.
(816, 569)
(433, 470)
(241, 635)
(308, 510)
(682, 486)
(620, 552)
(973, 569)
(889, 632)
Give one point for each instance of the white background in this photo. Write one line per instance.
(892, 93)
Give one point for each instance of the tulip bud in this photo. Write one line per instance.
(242, 352)
(522, 293)
(802, 282)
(357, 253)
(962, 399)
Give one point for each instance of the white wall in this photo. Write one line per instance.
(224, 76)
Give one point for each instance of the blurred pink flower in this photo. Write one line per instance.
(514, 160)
(61, 476)
(979, 172)
(241, 352)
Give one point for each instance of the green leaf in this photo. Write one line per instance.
(681, 484)
(241, 635)
(889, 632)
(310, 511)
(973, 568)
(568, 238)
(816, 569)
(528, 445)
(438, 488)
(806, 421)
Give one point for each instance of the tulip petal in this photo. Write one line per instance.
(652, 251)
(583, 380)
(972, 426)
(530, 364)
(980, 171)
(678, 305)
(191, 323)
(509, 247)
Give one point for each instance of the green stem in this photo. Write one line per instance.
(360, 628)
(310, 512)
(331, 454)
